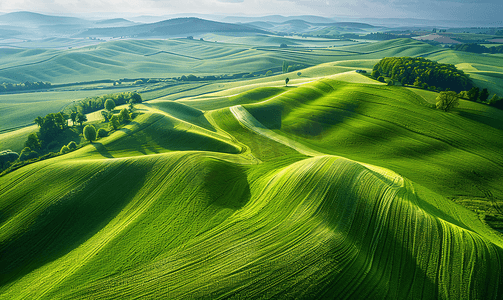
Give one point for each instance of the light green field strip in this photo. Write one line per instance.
(249, 121)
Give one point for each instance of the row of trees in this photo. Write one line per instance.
(422, 73)
(7, 87)
(476, 48)
(90, 105)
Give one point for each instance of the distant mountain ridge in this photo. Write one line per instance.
(172, 27)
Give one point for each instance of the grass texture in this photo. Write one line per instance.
(273, 192)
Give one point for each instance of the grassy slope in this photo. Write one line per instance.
(131, 216)
(185, 202)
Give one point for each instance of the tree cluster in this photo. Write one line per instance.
(381, 36)
(89, 105)
(476, 48)
(7, 87)
(422, 73)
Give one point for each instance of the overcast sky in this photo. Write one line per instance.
(482, 10)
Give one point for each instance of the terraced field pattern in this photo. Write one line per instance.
(333, 187)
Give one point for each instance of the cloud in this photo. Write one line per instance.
(231, 1)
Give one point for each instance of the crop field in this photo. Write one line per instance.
(331, 186)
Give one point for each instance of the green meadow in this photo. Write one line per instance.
(332, 186)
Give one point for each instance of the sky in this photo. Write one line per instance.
(490, 11)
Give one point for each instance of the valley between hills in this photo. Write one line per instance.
(234, 184)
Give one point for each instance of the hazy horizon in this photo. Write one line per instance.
(487, 12)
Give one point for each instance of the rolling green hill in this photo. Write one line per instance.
(330, 188)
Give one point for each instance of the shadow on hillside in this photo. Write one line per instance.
(68, 222)
(227, 185)
(102, 150)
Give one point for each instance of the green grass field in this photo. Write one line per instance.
(335, 186)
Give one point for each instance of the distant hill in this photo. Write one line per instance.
(173, 27)
(35, 19)
(115, 23)
(277, 19)
(302, 26)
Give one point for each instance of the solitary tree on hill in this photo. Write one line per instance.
(90, 133)
(287, 80)
(447, 100)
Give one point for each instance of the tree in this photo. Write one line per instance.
(375, 74)
(283, 45)
(7, 156)
(64, 149)
(286, 81)
(32, 142)
(109, 104)
(90, 133)
(473, 94)
(73, 117)
(494, 99)
(114, 122)
(72, 145)
(81, 118)
(447, 100)
(268, 73)
(27, 153)
(484, 94)
(40, 121)
(124, 116)
(285, 67)
(135, 98)
(102, 132)
(380, 78)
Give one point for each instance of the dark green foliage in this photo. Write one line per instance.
(283, 45)
(7, 87)
(39, 121)
(81, 118)
(473, 94)
(102, 132)
(496, 102)
(375, 74)
(106, 115)
(27, 154)
(72, 145)
(73, 117)
(52, 126)
(381, 36)
(33, 141)
(380, 78)
(476, 48)
(287, 80)
(299, 73)
(285, 67)
(484, 94)
(114, 122)
(447, 100)
(421, 71)
(64, 149)
(6, 157)
(90, 133)
(109, 104)
(124, 116)
(135, 98)
(89, 105)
